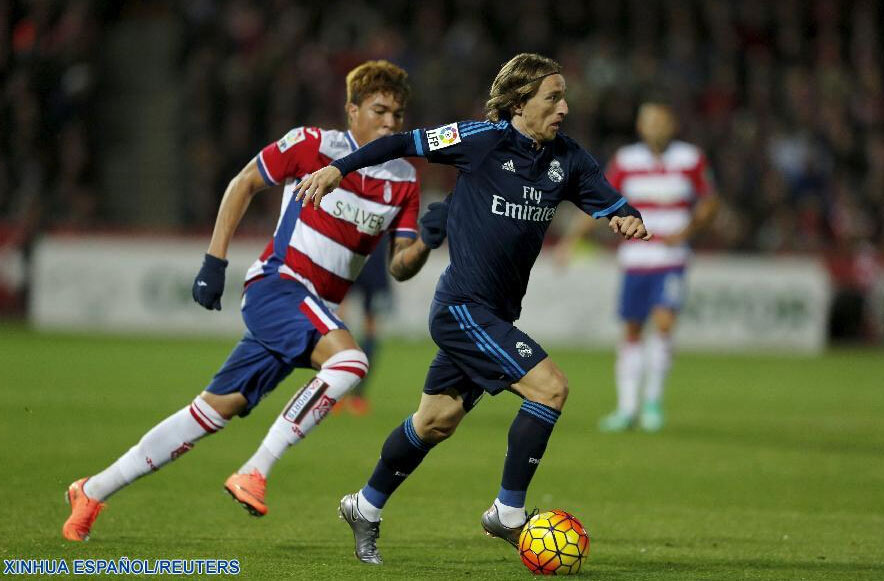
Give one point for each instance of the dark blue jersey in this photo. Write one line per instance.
(506, 195)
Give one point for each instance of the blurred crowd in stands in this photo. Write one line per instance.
(786, 97)
(50, 71)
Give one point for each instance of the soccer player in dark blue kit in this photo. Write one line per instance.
(515, 169)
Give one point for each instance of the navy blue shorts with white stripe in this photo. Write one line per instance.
(478, 351)
(284, 322)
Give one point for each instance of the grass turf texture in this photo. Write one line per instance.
(769, 468)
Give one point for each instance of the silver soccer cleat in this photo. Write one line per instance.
(494, 528)
(365, 532)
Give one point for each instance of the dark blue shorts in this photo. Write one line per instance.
(374, 301)
(478, 352)
(284, 321)
(641, 292)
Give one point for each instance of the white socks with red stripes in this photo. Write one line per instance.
(659, 364)
(163, 443)
(308, 407)
(629, 369)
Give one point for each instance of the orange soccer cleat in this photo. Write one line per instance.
(84, 511)
(358, 405)
(248, 490)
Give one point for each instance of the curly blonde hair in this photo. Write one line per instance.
(377, 77)
(518, 80)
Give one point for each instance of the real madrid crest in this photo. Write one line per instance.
(524, 349)
(388, 192)
(555, 171)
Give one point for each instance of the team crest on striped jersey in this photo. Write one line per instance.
(388, 192)
(444, 136)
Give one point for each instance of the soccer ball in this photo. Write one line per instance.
(554, 543)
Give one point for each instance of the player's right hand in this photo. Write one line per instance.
(316, 185)
(208, 286)
(434, 223)
(629, 227)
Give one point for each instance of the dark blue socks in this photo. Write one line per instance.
(402, 453)
(528, 436)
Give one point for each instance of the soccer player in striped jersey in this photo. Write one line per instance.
(514, 171)
(670, 182)
(291, 292)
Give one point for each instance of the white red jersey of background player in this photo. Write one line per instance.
(664, 189)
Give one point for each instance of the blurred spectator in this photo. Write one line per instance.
(49, 68)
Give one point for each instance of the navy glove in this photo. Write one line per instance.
(434, 223)
(209, 283)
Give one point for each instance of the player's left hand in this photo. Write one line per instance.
(316, 185)
(208, 286)
(629, 227)
(434, 223)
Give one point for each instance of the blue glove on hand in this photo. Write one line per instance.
(209, 283)
(434, 223)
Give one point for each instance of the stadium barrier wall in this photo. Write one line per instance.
(121, 284)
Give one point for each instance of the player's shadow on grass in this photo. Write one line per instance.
(778, 439)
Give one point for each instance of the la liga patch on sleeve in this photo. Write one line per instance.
(294, 136)
(443, 136)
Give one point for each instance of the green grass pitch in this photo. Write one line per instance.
(771, 467)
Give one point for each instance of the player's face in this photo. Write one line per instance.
(378, 115)
(656, 125)
(542, 115)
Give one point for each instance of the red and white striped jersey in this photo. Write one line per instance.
(325, 249)
(664, 189)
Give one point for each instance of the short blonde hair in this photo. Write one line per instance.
(377, 77)
(518, 80)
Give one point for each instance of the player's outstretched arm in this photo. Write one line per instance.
(208, 286)
(234, 204)
(318, 184)
(408, 256)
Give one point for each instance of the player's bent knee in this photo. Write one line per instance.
(434, 428)
(557, 391)
(354, 359)
(227, 405)
(664, 320)
(343, 371)
(439, 432)
(549, 388)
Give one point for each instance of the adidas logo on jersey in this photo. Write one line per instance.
(508, 165)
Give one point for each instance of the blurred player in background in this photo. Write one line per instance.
(670, 182)
(514, 170)
(291, 292)
(373, 293)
